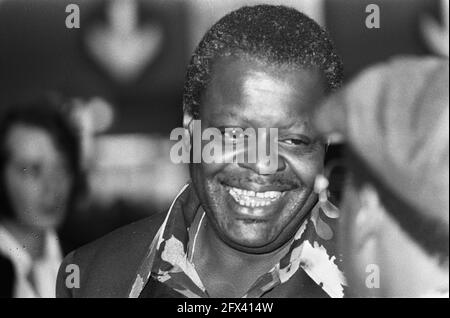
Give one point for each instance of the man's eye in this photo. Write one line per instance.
(234, 134)
(296, 142)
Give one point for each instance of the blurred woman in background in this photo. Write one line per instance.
(40, 177)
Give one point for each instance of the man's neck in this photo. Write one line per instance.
(225, 271)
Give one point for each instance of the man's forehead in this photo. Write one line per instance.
(255, 81)
(252, 73)
(234, 115)
(242, 82)
(247, 62)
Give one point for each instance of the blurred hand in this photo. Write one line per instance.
(395, 117)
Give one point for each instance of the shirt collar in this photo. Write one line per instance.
(168, 258)
(20, 257)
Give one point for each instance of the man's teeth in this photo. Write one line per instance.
(254, 199)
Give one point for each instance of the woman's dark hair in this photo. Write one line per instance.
(46, 113)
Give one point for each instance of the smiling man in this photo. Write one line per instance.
(238, 229)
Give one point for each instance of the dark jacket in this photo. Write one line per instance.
(108, 266)
(7, 277)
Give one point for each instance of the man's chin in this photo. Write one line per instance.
(251, 237)
(249, 246)
(256, 228)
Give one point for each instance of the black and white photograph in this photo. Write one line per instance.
(245, 151)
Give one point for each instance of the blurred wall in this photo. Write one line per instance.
(38, 52)
(129, 167)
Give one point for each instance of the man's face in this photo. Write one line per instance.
(250, 210)
(36, 178)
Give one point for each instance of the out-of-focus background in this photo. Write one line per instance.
(124, 68)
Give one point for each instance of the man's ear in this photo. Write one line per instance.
(188, 124)
(187, 120)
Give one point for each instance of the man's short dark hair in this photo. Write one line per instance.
(44, 112)
(274, 34)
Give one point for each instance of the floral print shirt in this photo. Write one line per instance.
(311, 251)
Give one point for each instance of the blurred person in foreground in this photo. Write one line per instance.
(39, 174)
(237, 230)
(395, 229)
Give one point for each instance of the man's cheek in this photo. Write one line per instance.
(210, 169)
(306, 170)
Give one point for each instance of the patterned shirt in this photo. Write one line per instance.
(168, 262)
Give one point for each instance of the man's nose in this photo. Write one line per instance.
(263, 157)
(266, 165)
